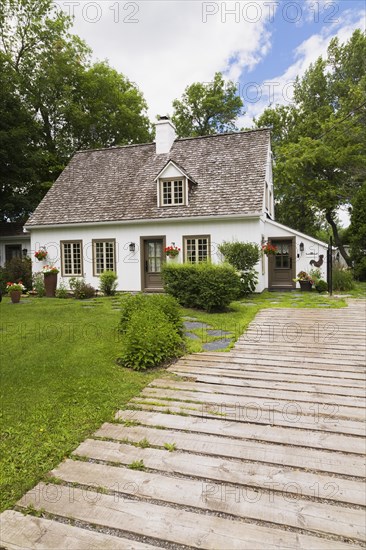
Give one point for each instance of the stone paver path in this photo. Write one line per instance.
(259, 448)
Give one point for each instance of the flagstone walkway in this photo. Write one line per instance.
(259, 448)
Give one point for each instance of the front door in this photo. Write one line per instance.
(153, 255)
(282, 264)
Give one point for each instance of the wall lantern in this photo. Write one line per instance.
(132, 247)
(302, 247)
(173, 244)
(25, 252)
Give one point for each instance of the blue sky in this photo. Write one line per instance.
(163, 46)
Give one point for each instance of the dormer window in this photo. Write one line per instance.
(173, 185)
(173, 192)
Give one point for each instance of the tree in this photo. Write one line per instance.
(320, 141)
(357, 233)
(207, 108)
(73, 103)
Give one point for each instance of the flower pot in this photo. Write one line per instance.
(305, 286)
(50, 284)
(15, 296)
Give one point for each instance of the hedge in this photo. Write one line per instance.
(203, 286)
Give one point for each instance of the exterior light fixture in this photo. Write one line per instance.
(132, 247)
(302, 247)
(25, 252)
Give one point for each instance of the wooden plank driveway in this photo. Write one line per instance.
(259, 448)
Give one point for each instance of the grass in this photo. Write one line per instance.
(58, 383)
(59, 380)
(137, 465)
(241, 313)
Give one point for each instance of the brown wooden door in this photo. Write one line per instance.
(153, 255)
(282, 265)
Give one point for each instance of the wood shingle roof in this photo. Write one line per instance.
(117, 184)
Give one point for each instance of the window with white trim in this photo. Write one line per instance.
(197, 249)
(173, 192)
(104, 256)
(71, 258)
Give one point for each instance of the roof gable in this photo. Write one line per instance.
(119, 183)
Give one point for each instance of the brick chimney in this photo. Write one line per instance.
(165, 135)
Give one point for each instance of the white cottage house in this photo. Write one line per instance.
(118, 208)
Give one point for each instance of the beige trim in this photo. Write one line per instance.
(184, 189)
(73, 241)
(208, 237)
(94, 241)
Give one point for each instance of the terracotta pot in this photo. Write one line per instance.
(50, 284)
(15, 296)
(305, 286)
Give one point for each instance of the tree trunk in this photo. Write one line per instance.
(337, 241)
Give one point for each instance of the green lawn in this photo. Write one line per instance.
(60, 381)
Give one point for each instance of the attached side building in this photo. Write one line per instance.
(118, 208)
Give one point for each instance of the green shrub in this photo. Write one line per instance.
(81, 289)
(150, 339)
(360, 269)
(242, 256)
(19, 269)
(321, 285)
(62, 291)
(342, 279)
(108, 283)
(3, 280)
(38, 284)
(204, 286)
(131, 303)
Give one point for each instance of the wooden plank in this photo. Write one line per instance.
(240, 502)
(19, 532)
(228, 413)
(253, 365)
(274, 434)
(259, 375)
(169, 524)
(238, 472)
(268, 384)
(283, 455)
(280, 394)
(265, 405)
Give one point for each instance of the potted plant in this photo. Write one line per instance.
(171, 251)
(50, 280)
(15, 291)
(305, 280)
(41, 254)
(269, 249)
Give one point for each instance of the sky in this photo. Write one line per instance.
(261, 45)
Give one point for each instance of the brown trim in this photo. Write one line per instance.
(142, 258)
(293, 257)
(95, 274)
(74, 241)
(184, 237)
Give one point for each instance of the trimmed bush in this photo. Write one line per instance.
(170, 307)
(343, 279)
(149, 339)
(204, 286)
(243, 256)
(19, 269)
(321, 286)
(81, 289)
(108, 283)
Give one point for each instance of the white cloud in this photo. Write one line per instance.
(278, 91)
(170, 46)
